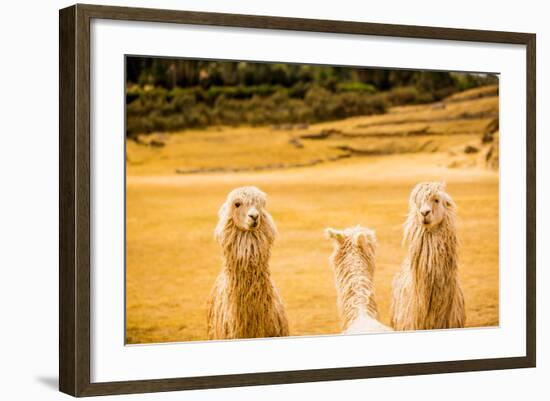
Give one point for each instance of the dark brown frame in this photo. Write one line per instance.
(74, 199)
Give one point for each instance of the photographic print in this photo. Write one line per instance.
(274, 199)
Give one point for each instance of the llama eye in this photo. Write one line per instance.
(436, 201)
(237, 204)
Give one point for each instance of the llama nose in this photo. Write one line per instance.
(253, 216)
(425, 212)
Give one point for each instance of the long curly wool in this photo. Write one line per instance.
(353, 263)
(244, 302)
(426, 291)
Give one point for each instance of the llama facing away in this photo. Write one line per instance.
(426, 291)
(353, 263)
(244, 302)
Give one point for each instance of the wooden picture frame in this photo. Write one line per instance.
(74, 199)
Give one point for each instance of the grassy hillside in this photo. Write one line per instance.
(411, 129)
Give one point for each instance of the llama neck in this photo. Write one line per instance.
(433, 253)
(355, 289)
(433, 264)
(250, 291)
(246, 251)
(246, 264)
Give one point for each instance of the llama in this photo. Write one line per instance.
(244, 302)
(426, 291)
(353, 265)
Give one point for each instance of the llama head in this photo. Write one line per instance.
(360, 239)
(244, 209)
(430, 204)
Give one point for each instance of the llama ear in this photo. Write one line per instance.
(449, 202)
(337, 235)
(222, 220)
(218, 231)
(222, 211)
(271, 223)
(365, 239)
(360, 239)
(414, 194)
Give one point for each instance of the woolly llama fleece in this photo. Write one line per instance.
(244, 302)
(426, 291)
(353, 263)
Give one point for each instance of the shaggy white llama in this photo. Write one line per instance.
(426, 291)
(353, 263)
(244, 302)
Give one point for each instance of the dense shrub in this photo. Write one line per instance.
(152, 109)
(403, 95)
(355, 87)
(158, 109)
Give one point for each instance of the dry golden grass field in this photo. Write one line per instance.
(355, 171)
